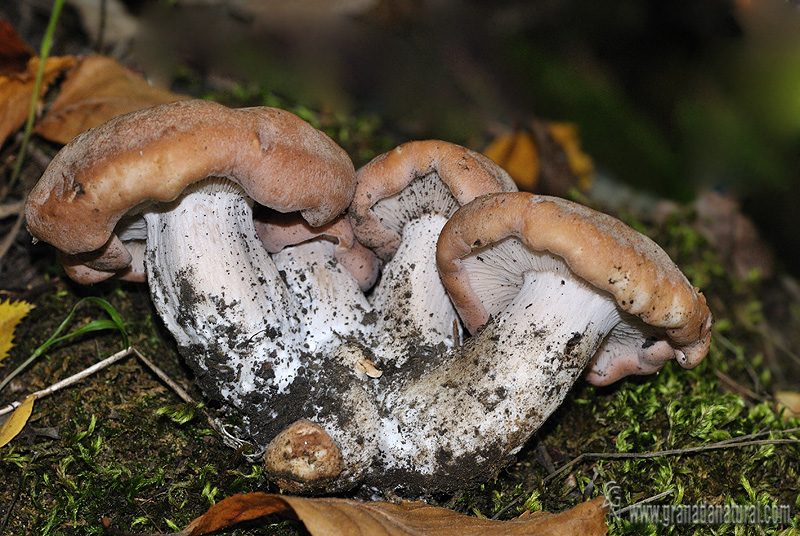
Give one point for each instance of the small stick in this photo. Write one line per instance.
(10, 209)
(725, 444)
(733, 384)
(183, 395)
(644, 501)
(10, 507)
(72, 379)
(8, 241)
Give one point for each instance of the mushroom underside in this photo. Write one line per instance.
(413, 313)
(631, 347)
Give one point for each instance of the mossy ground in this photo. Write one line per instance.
(121, 444)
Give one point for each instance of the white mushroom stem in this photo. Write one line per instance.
(479, 406)
(219, 293)
(414, 315)
(330, 303)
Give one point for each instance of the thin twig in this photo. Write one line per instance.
(10, 209)
(726, 342)
(30, 292)
(737, 386)
(10, 507)
(36, 155)
(5, 245)
(780, 346)
(644, 501)
(183, 395)
(738, 353)
(738, 439)
(506, 508)
(72, 379)
(725, 444)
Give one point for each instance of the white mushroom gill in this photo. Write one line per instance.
(132, 231)
(483, 402)
(414, 313)
(636, 347)
(330, 303)
(219, 295)
(496, 274)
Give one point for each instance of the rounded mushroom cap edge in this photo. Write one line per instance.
(468, 174)
(597, 247)
(153, 154)
(279, 230)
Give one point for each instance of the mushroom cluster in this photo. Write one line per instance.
(406, 328)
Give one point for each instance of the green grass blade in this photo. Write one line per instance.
(44, 52)
(115, 322)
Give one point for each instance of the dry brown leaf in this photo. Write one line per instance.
(733, 235)
(97, 90)
(335, 517)
(14, 52)
(16, 91)
(545, 158)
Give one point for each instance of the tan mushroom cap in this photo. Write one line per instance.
(153, 154)
(467, 174)
(598, 248)
(303, 458)
(283, 230)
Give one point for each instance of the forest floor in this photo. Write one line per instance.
(121, 443)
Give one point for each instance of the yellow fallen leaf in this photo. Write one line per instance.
(10, 316)
(16, 421)
(566, 135)
(516, 153)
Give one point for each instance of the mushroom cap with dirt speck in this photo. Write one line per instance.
(303, 458)
(467, 174)
(278, 231)
(278, 159)
(598, 248)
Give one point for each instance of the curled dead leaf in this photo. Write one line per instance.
(16, 91)
(581, 165)
(97, 90)
(546, 158)
(14, 52)
(333, 517)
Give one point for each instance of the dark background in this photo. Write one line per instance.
(670, 97)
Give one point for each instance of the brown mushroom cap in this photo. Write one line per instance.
(467, 174)
(598, 248)
(303, 458)
(153, 154)
(282, 230)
